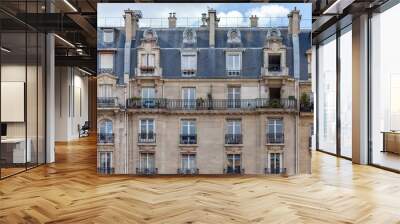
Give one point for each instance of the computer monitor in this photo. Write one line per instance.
(3, 129)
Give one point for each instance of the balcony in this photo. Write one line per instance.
(233, 139)
(105, 138)
(146, 171)
(102, 170)
(275, 171)
(147, 70)
(147, 137)
(105, 70)
(275, 138)
(188, 72)
(233, 72)
(211, 104)
(234, 170)
(107, 102)
(307, 107)
(192, 171)
(274, 68)
(188, 139)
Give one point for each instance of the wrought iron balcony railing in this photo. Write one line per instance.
(274, 68)
(275, 138)
(105, 138)
(188, 139)
(233, 170)
(102, 170)
(146, 171)
(191, 171)
(233, 72)
(147, 70)
(275, 171)
(307, 107)
(107, 102)
(147, 137)
(105, 70)
(233, 139)
(211, 104)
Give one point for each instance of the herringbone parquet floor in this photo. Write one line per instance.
(70, 191)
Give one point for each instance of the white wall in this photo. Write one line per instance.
(71, 102)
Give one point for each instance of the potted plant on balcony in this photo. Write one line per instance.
(275, 103)
(199, 102)
(135, 101)
(210, 101)
(304, 101)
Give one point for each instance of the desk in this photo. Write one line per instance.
(13, 150)
(391, 141)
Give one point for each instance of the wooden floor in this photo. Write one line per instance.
(70, 191)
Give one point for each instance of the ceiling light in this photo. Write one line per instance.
(5, 50)
(64, 40)
(70, 5)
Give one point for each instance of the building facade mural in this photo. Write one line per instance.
(204, 100)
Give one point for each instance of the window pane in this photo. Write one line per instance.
(106, 61)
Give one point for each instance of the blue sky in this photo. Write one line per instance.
(162, 10)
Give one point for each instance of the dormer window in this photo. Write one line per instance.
(233, 63)
(147, 63)
(108, 36)
(274, 62)
(106, 62)
(189, 64)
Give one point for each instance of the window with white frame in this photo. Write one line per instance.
(106, 61)
(108, 36)
(188, 163)
(234, 96)
(234, 132)
(275, 163)
(147, 161)
(146, 129)
(233, 163)
(105, 132)
(148, 95)
(105, 90)
(188, 131)
(233, 63)
(189, 97)
(275, 131)
(147, 61)
(189, 64)
(105, 161)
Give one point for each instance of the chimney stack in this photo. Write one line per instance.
(212, 24)
(131, 23)
(294, 21)
(253, 21)
(172, 20)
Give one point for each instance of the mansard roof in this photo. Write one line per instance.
(211, 61)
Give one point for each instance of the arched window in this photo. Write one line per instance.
(105, 134)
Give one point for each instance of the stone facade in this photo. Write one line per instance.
(149, 122)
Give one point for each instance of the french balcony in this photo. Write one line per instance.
(275, 171)
(274, 68)
(191, 171)
(188, 139)
(107, 102)
(275, 138)
(233, 139)
(146, 171)
(147, 137)
(147, 70)
(307, 107)
(105, 70)
(105, 138)
(188, 72)
(234, 170)
(102, 170)
(211, 104)
(233, 72)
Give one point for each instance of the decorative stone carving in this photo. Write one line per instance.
(149, 34)
(234, 36)
(189, 36)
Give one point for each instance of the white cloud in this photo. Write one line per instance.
(232, 18)
(271, 10)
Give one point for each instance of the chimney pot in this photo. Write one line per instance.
(253, 21)
(172, 20)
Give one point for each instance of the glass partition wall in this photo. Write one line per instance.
(385, 89)
(334, 94)
(22, 77)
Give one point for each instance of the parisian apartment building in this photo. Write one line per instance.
(206, 99)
